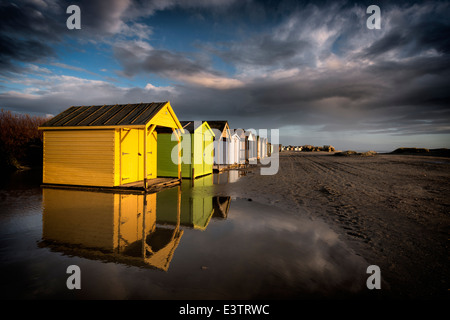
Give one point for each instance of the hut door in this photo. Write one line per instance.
(224, 142)
(208, 156)
(204, 145)
(236, 151)
(151, 155)
(129, 156)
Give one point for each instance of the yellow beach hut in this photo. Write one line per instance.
(105, 145)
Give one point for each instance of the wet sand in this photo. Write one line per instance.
(393, 210)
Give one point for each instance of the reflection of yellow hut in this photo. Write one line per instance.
(109, 226)
(196, 205)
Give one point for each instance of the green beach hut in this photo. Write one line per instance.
(197, 151)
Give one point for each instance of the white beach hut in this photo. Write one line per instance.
(263, 148)
(252, 146)
(242, 146)
(234, 149)
(221, 143)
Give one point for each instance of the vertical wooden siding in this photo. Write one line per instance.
(165, 165)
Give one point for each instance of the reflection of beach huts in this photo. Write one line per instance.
(113, 227)
(228, 176)
(196, 151)
(196, 206)
(105, 145)
(221, 207)
(221, 143)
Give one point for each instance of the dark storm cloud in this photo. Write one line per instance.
(20, 50)
(411, 40)
(34, 28)
(136, 58)
(30, 30)
(29, 19)
(263, 50)
(316, 64)
(26, 34)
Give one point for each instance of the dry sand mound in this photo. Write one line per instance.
(354, 153)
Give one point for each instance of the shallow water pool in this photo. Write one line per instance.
(181, 243)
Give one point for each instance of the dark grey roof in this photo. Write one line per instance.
(106, 115)
(189, 125)
(217, 124)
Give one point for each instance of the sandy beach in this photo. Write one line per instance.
(393, 210)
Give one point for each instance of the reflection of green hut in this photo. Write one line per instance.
(196, 207)
(196, 153)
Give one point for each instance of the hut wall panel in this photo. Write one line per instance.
(117, 155)
(231, 153)
(79, 157)
(198, 150)
(152, 155)
(242, 151)
(165, 165)
(208, 152)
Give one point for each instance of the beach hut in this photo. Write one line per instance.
(242, 153)
(196, 151)
(265, 147)
(234, 151)
(261, 147)
(221, 142)
(258, 148)
(251, 146)
(105, 145)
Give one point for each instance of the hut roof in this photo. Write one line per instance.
(218, 124)
(240, 133)
(191, 126)
(106, 115)
(222, 126)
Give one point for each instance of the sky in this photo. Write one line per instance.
(311, 69)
